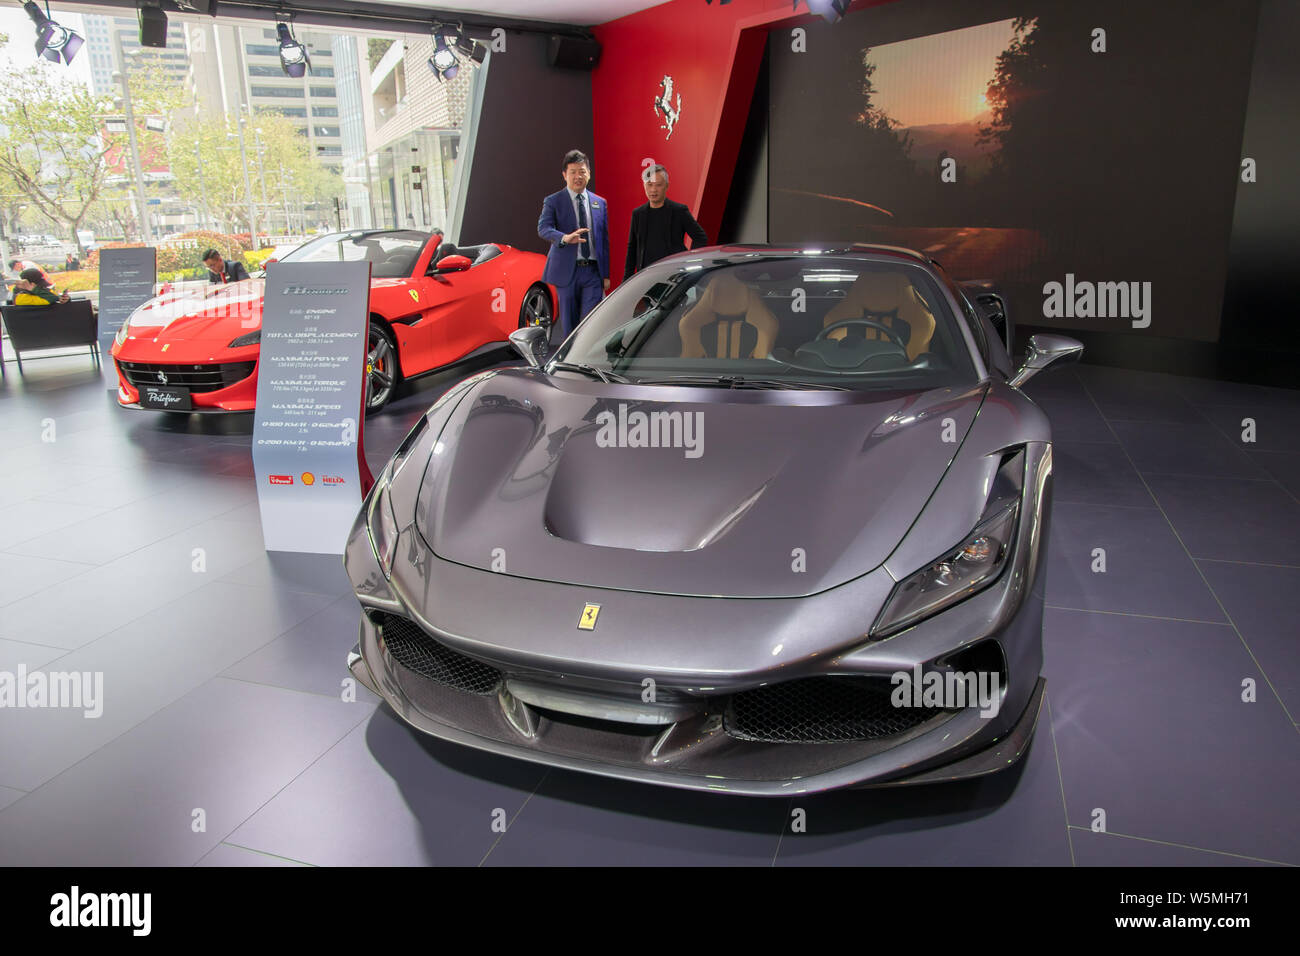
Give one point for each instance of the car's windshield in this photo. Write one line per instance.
(392, 254)
(761, 320)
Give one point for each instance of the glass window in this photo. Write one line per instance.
(391, 254)
(324, 111)
(803, 321)
(288, 92)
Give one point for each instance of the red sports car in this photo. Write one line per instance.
(431, 305)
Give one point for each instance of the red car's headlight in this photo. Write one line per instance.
(248, 338)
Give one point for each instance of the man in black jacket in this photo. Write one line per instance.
(221, 270)
(658, 226)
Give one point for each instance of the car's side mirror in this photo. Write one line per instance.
(452, 264)
(1044, 351)
(530, 342)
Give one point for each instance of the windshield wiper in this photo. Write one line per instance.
(603, 374)
(740, 381)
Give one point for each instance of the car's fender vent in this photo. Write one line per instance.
(417, 651)
(822, 710)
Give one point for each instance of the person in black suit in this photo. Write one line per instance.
(658, 226)
(221, 270)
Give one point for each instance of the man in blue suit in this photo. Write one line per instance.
(575, 222)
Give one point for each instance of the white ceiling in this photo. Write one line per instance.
(578, 12)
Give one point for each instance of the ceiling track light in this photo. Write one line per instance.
(293, 55)
(476, 50)
(55, 43)
(832, 11)
(444, 63)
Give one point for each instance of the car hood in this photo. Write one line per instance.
(198, 312)
(783, 493)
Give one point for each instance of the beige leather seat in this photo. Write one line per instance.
(727, 313)
(888, 298)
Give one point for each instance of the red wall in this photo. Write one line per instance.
(713, 54)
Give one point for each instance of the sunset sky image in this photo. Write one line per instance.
(939, 79)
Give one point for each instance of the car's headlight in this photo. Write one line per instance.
(970, 567)
(248, 338)
(382, 524)
(122, 333)
(381, 518)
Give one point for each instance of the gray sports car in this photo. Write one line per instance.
(771, 521)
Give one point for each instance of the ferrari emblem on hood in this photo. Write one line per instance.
(415, 294)
(588, 620)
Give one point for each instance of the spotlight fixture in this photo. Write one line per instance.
(443, 63)
(293, 55)
(830, 10)
(53, 42)
(476, 50)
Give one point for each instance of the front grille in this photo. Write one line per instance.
(821, 710)
(418, 652)
(197, 378)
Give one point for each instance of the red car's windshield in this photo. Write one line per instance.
(392, 254)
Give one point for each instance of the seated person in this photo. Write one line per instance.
(18, 265)
(32, 288)
(219, 270)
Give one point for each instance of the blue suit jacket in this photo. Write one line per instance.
(558, 220)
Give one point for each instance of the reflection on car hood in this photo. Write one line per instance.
(197, 311)
(785, 494)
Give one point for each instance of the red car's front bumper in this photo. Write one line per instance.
(226, 386)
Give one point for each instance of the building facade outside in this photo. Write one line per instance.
(413, 127)
(174, 58)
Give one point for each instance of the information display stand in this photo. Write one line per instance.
(307, 431)
(126, 282)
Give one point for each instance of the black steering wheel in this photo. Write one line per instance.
(844, 323)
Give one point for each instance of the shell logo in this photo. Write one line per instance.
(308, 478)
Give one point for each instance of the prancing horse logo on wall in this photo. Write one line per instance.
(665, 108)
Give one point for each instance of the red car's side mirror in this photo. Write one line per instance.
(454, 263)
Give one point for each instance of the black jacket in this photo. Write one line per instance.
(233, 272)
(683, 223)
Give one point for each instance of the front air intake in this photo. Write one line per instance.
(815, 710)
(418, 652)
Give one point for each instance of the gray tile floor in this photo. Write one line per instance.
(224, 740)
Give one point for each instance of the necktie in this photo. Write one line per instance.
(584, 252)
